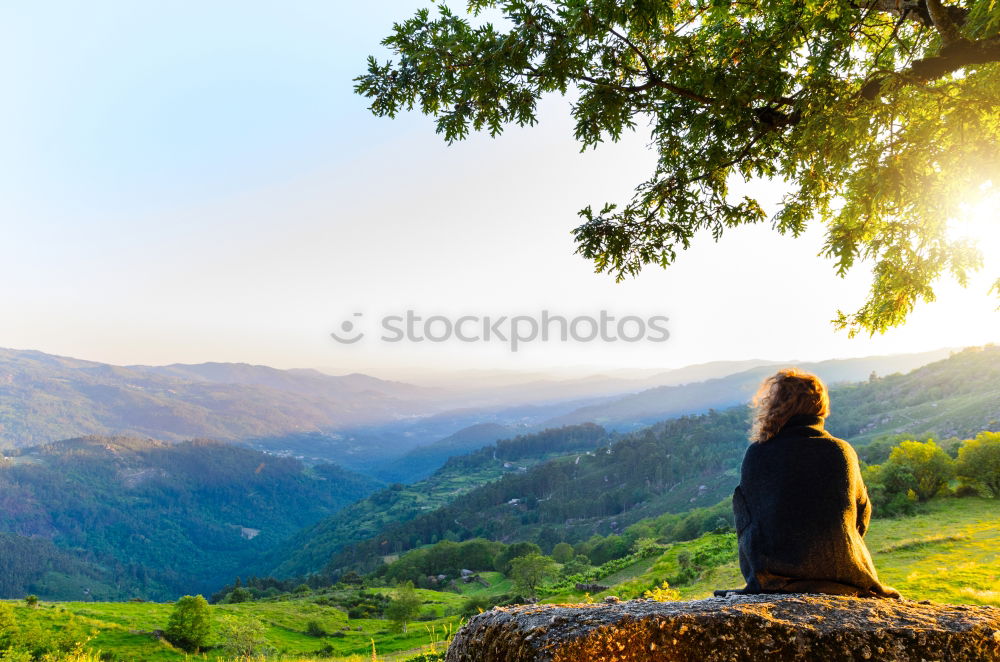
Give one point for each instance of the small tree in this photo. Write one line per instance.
(528, 572)
(562, 553)
(979, 463)
(31, 601)
(242, 638)
(502, 560)
(930, 465)
(404, 608)
(189, 623)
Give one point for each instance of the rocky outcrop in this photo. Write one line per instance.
(736, 628)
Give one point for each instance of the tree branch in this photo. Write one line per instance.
(958, 54)
(943, 23)
(914, 10)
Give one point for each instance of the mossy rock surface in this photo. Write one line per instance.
(733, 629)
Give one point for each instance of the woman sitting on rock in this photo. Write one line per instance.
(801, 507)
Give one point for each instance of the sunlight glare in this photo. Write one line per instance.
(980, 223)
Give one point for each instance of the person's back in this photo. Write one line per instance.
(801, 507)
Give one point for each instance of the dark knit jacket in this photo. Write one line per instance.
(801, 513)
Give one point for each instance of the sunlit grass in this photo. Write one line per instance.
(126, 629)
(913, 543)
(948, 553)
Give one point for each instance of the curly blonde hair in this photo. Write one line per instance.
(783, 395)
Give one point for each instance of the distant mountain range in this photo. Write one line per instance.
(301, 381)
(656, 404)
(44, 398)
(486, 389)
(388, 429)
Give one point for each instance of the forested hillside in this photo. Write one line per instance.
(684, 462)
(957, 397)
(672, 466)
(311, 549)
(423, 461)
(123, 517)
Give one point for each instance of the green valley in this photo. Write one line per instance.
(311, 549)
(119, 517)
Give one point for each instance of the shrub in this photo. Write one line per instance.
(243, 638)
(965, 490)
(314, 629)
(189, 623)
(979, 463)
(475, 604)
(580, 564)
(364, 604)
(662, 593)
(929, 465)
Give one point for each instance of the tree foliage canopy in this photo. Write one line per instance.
(189, 624)
(927, 464)
(979, 462)
(882, 116)
(243, 638)
(528, 572)
(404, 607)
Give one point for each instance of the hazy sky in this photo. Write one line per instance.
(196, 181)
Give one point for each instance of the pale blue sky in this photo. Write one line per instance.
(197, 182)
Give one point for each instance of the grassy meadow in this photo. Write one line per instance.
(949, 552)
(125, 630)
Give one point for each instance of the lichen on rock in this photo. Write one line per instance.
(739, 628)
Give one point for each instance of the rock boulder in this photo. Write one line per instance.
(736, 628)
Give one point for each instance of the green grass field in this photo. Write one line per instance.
(950, 552)
(125, 629)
